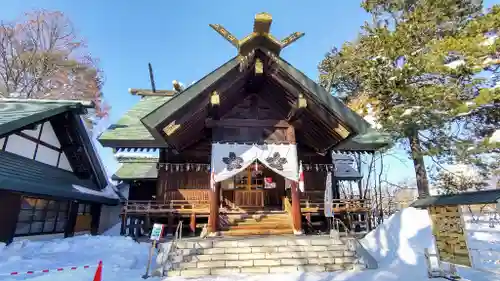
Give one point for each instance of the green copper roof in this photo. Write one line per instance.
(25, 175)
(17, 114)
(131, 171)
(129, 130)
(371, 140)
(466, 198)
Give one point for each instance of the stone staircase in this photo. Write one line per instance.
(256, 224)
(272, 254)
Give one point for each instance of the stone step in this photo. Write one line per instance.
(280, 218)
(264, 225)
(257, 231)
(264, 262)
(293, 250)
(240, 254)
(265, 268)
(279, 241)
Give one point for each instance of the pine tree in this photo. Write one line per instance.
(421, 66)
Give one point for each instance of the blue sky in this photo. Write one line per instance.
(175, 37)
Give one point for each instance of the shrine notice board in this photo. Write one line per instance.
(448, 230)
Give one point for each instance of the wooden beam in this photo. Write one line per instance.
(146, 92)
(246, 123)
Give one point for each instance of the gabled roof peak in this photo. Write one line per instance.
(260, 37)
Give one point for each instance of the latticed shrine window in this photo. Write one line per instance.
(41, 216)
(249, 179)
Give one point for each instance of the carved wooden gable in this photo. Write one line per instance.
(253, 107)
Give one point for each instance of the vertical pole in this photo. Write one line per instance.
(161, 184)
(296, 213)
(170, 219)
(124, 223)
(95, 211)
(213, 220)
(192, 224)
(69, 231)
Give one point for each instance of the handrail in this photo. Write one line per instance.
(346, 229)
(173, 245)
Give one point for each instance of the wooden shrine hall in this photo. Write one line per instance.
(231, 145)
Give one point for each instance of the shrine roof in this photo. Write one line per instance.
(466, 198)
(15, 114)
(128, 131)
(136, 171)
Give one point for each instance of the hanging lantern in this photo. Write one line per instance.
(166, 166)
(214, 98)
(187, 167)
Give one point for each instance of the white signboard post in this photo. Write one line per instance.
(156, 234)
(157, 231)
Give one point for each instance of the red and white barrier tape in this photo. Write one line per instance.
(69, 268)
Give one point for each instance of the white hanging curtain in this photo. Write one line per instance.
(328, 195)
(230, 159)
(280, 158)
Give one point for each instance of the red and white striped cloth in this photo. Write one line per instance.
(29, 272)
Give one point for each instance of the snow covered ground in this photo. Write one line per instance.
(398, 245)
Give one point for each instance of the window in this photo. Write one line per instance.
(249, 179)
(39, 216)
(83, 209)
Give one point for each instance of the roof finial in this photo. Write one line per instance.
(261, 30)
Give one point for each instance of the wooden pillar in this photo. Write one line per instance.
(95, 212)
(10, 206)
(161, 184)
(69, 231)
(170, 221)
(213, 220)
(124, 224)
(296, 212)
(192, 224)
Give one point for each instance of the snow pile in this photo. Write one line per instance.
(399, 244)
(123, 259)
(401, 238)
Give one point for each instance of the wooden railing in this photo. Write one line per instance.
(174, 206)
(338, 205)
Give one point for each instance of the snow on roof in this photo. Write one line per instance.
(108, 191)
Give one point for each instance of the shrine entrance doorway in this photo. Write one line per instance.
(256, 188)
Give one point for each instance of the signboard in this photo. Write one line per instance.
(448, 230)
(157, 231)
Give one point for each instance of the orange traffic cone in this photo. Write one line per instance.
(98, 272)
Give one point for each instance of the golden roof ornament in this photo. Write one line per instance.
(260, 37)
